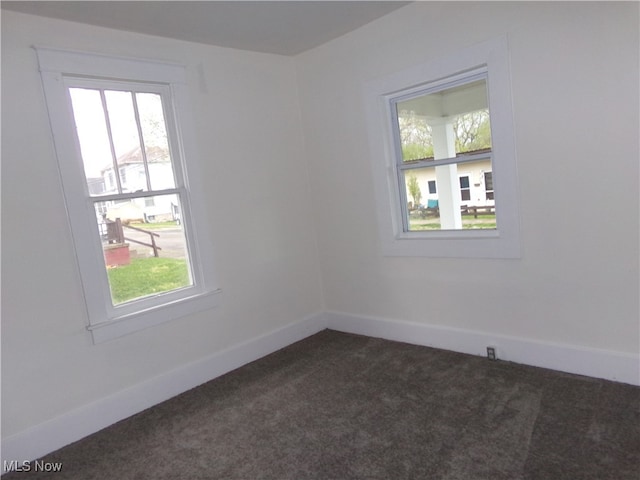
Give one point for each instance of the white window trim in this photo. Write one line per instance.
(474, 243)
(106, 322)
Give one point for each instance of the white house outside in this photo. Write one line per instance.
(475, 185)
(133, 178)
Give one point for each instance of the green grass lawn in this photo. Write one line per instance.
(486, 221)
(434, 224)
(155, 226)
(147, 276)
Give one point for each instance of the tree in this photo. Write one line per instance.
(152, 120)
(414, 189)
(415, 136)
(472, 131)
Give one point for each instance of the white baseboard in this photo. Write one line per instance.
(53, 434)
(616, 366)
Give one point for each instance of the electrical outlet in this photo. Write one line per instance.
(491, 353)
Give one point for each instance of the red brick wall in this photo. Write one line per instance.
(117, 254)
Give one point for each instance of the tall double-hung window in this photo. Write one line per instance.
(443, 152)
(128, 166)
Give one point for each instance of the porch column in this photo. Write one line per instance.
(449, 202)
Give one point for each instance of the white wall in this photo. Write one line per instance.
(575, 104)
(247, 116)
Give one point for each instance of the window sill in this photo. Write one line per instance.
(133, 322)
(451, 244)
(448, 234)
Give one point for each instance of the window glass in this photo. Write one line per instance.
(415, 134)
(124, 133)
(459, 113)
(125, 149)
(448, 127)
(144, 247)
(423, 204)
(154, 132)
(91, 129)
(126, 129)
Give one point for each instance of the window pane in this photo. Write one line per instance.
(445, 123)
(461, 201)
(154, 133)
(144, 246)
(126, 141)
(94, 141)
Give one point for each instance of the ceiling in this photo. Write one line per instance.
(281, 27)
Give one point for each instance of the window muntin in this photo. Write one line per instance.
(447, 126)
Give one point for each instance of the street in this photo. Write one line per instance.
(170, 240)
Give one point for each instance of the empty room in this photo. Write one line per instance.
(320, 240)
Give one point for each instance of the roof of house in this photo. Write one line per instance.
(154, 154)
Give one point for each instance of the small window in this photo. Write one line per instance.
(465, 191)
(488, 185)
(447, 123)
(110, 183)
(124, 150)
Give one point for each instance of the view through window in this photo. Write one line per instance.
(131, 182)
(444, 157)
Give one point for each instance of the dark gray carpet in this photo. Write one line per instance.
(340, 406)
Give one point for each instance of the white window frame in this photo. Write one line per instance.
(380, 94)
(59, 69)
